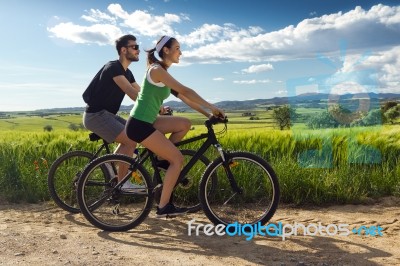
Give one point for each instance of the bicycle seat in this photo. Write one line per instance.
(94, 137)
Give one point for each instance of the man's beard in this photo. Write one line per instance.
(133, 59)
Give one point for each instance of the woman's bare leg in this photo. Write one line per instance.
(163, 147)
(177, 126)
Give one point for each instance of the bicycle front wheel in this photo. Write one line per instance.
(256, 198)
(63, 176)
(110, 208)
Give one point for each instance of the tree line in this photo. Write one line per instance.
(337, 115)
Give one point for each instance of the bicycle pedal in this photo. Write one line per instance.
(75, 180)
(157, 193)
(185, 181)
(115, 209)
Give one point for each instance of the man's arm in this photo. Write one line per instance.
(130, 89)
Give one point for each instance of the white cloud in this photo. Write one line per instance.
(376, 30)
(379, 71)
(253, 81)
(105, 30)
(145, 23)
(116, 10)
(362, 29)
(373, 29)
(258, 68)
(206, 33)
(212, 33)
(101, 34)
(96, 16)
(218, 79)
(348, 87)
(149, 25)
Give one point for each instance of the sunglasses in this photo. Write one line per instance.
(134, 46)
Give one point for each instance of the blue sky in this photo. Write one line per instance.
(50, 50)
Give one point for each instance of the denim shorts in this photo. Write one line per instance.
(105, 124)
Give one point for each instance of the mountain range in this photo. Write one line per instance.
(310, 100)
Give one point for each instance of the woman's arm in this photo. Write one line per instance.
(159, 74)
(194, 105)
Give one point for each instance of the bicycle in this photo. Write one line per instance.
(226, 196)
(65, 171)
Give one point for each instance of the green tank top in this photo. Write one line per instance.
(149, 101)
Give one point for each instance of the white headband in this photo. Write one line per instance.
(161, 44)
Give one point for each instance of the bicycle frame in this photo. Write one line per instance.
(105, 145)
(211, 140)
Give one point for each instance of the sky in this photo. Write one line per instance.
(50, 50)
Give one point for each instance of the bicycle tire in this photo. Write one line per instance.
(62, 177)
(109, 208)
(260, 190)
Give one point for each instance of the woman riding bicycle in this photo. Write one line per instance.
(145, 127)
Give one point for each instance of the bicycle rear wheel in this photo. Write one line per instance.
(63, 176)
(257, 200)
(106, 206)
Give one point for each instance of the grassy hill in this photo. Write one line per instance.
(63, 118)
(63, 121)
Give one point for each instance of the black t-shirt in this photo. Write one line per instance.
(103, 93)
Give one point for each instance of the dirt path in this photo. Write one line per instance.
(42, 234)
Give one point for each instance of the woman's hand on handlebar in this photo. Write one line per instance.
(165, 110)
(218, 112)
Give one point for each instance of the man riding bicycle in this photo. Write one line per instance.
(105, 94)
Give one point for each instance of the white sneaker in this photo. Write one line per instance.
(133, 188)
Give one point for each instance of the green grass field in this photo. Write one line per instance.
(37, 123)
(61, 122)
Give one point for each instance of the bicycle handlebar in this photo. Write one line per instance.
(216, 120)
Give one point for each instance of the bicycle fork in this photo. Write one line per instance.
(226, 164)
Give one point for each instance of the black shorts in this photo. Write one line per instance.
(138, 130)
